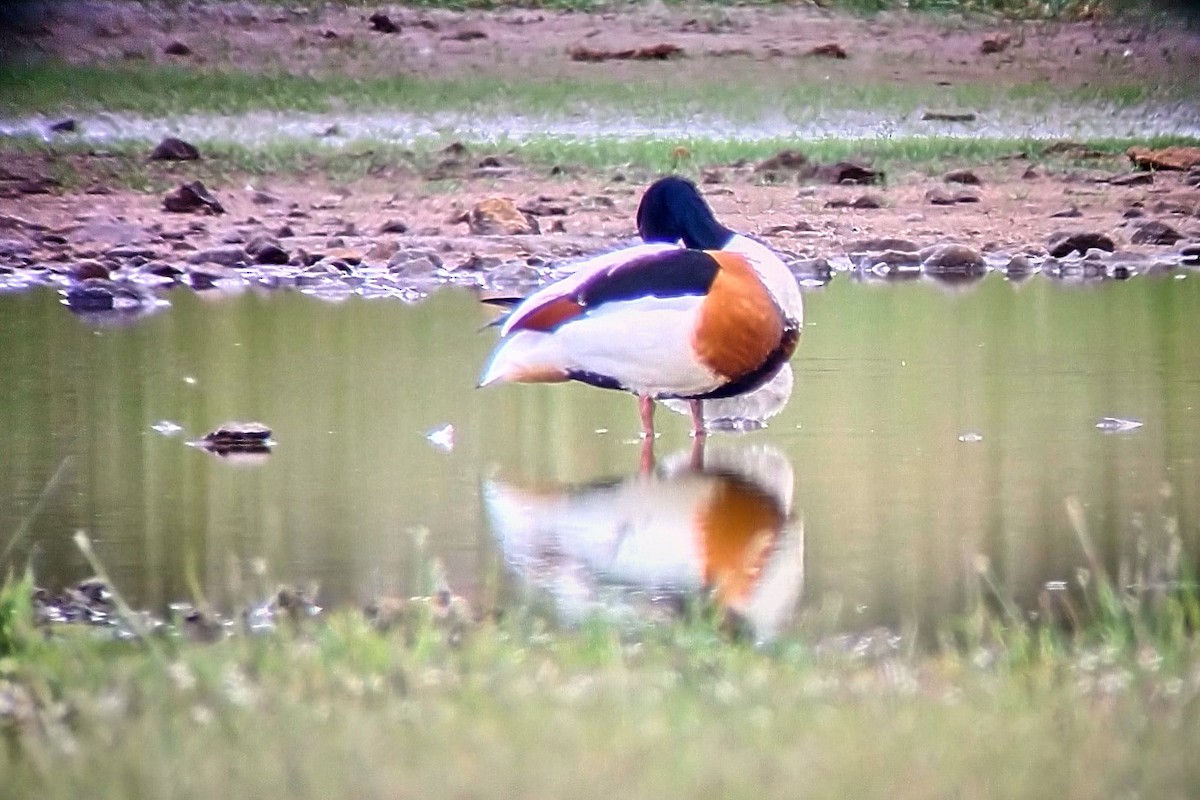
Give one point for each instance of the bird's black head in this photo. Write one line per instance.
(672, 209)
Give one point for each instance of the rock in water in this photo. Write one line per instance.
(238, 437)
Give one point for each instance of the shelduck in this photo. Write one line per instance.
(673, 211)
(663, 322)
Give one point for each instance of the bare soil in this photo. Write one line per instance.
(771, 42)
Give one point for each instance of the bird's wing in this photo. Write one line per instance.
(545, 306)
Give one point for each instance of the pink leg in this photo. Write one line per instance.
(698, 429)
(646, 409)
(647, 463)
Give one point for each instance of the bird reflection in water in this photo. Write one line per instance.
(717, 526)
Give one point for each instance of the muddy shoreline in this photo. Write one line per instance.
(119, 249)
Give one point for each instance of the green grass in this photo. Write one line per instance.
(124, 163)
(51, 87)
(519, 708)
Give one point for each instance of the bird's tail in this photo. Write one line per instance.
(525, 357)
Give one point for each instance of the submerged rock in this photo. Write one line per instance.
(101, 294)
(958, 258)
(246, 437)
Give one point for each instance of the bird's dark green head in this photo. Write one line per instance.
(672, 210)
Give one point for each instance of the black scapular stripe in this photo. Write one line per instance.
(674, 273)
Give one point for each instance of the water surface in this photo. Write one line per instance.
(930, 433)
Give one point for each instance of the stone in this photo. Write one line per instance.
(952, 258)
(264, 249)
(478, 263)
(1018, 265)
(394, 226)
(963, 176)
(1169, 158)
(99, 294)
(1153, 232)
(783, 160)
(816, 269)
(948, 116)
(1131, 179)
(177, 48)
(1066, 213)
(130, 251)
(226, 256)
(655, 52)
(1190, 254)
(830, 50)
(414, 263)
(67, 125)
(965, 197)
(882, 244)
(465, 35)
(544, 208)
(173, 149)
(85, 270)
(192, 197)
(849, 172)
(498, 216)
(939, 197)
(382, 251)
(866, 201)
(382, 23)
(995, 44)
(1062, 244)
(208, 276)
(252, 437)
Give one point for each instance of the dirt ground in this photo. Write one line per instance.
(897, 47)
(1016, 206)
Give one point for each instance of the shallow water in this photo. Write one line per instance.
(930, 433)
(261, 128)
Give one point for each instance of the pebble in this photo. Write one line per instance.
(227, 255)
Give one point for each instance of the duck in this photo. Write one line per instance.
(694, 314)
(672, 210)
